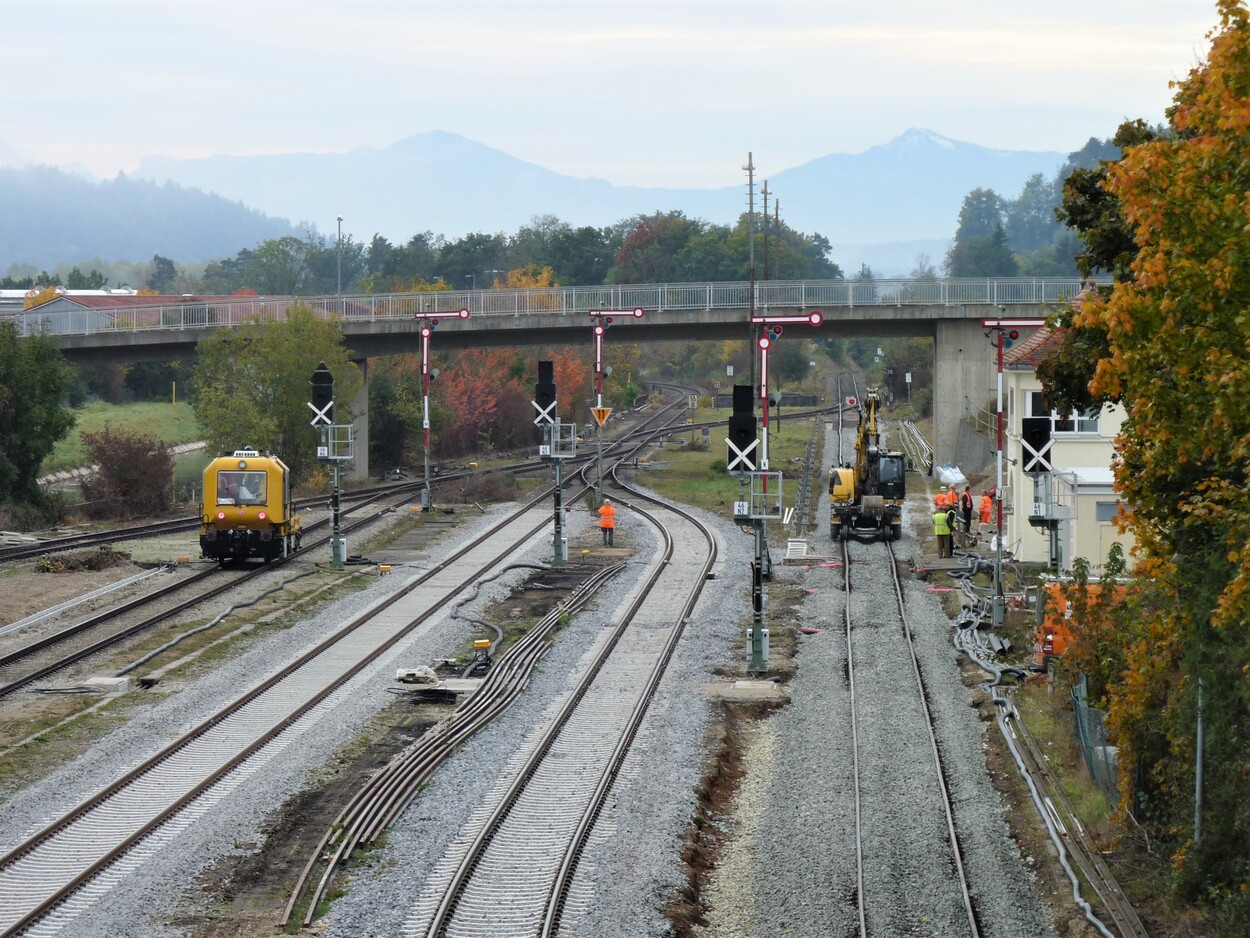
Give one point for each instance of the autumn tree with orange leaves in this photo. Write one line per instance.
(479, 402)
(1178, 359)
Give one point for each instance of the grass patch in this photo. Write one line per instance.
(169, 423)
(696, 476)
(1048, 715)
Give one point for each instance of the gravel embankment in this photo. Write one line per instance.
(635, 859)
(148, 903)
(788, 865)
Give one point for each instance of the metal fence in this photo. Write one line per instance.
(1090, 728)
(803, 294)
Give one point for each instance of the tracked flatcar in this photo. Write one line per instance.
(247, 512)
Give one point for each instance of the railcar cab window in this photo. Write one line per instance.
(240, 488)
(890, 470)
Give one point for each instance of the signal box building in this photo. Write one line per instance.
(1059, 488)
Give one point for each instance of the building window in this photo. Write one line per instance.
(1106, 511)
(1074, 423)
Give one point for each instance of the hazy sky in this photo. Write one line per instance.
(672, 93)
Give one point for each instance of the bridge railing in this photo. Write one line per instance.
(794, 294)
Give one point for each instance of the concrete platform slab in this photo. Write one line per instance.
(748, 691)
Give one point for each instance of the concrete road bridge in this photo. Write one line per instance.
(949, 311)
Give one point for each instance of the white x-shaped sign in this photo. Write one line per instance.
(321, 418)
(545, 414)
(1037, 460)
(742, 456)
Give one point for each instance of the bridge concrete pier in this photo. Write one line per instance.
(965, 369)
(358, 468)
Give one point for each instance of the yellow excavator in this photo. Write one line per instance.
(868, 497)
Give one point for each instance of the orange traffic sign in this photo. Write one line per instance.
(601, 414)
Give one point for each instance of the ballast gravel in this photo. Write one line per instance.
(788, 864)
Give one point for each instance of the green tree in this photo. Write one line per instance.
(982, 256)
(279, 267)
(224, 277)
(77, 280)
(1096, 215)
(34, 380)
(163, 276)
(252, 386)
(980, 248)
(651, 251)
(583, 256)
(1031, 223)
(464, 263)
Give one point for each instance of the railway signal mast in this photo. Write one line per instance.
(560, 445)
(336, 446)
(764, 501)
(428, 325)
(602, 319)
(1004, 331)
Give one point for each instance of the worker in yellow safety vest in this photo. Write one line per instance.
(942, 528)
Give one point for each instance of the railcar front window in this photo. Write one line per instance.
(241, 488)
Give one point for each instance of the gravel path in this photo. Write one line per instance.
(790, 866)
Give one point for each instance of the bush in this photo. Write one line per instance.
(135, 475)
(316, 482)
(49, 510)
(101, 558)
(478, 487)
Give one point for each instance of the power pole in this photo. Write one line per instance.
(765, 194)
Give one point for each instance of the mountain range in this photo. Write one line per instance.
(884, 206)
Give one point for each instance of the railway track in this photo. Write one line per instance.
(53, 874)
(53, 653)
(514, 873)
(86, 638)
(879, 646)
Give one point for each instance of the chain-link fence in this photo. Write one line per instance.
(1090, 727)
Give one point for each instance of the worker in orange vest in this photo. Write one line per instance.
(987, 508)
(939, 500)
(607, 521)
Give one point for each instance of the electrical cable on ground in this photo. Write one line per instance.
(203, 628)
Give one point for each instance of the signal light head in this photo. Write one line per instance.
(776, 330)
(433, 323)
(608, 320)
(1013, 334)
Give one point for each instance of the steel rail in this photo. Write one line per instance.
(391, 789)
(556, 890)
(923, 691)
(568, 866)
(969, 905)
(63, 635)
(111, 855)
(60, 894)
(848, 625)
(1076, 838)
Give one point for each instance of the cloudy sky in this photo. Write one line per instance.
(646, 93)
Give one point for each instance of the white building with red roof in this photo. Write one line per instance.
(1060, 500)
